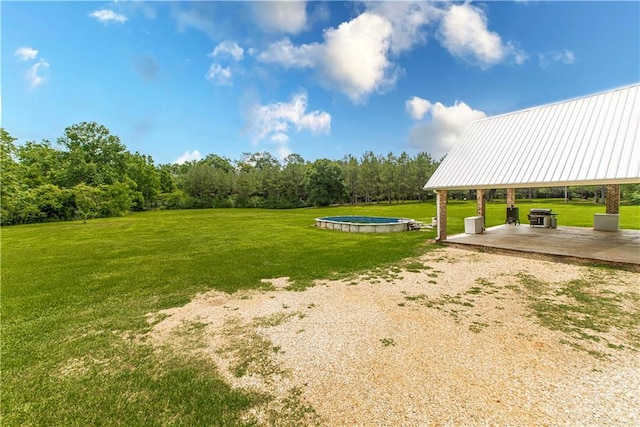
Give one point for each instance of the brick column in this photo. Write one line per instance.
(480, 205)
(613, 199)
(441, 207)
(480, 210)
(511, 197)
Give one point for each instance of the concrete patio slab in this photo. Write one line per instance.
(621, 246)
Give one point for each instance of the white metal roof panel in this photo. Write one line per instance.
(584, 141)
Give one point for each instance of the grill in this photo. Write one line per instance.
(542, 218)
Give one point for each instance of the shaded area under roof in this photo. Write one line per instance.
(591, 140)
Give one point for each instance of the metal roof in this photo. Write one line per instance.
(591, 140)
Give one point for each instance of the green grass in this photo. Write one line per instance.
(75, 295)
(586, 311)
(74, 299)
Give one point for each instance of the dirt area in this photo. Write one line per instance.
(456, 337)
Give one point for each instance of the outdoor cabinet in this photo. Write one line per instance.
(606, 222)
(473, 225)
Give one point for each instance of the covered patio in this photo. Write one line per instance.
(588, 141)
(622, 246)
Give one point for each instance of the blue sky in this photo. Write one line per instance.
(180, 80)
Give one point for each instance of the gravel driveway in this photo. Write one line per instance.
(456, 337)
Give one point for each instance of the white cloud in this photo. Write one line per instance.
(444, 127)
(26, 53)
(280, 16)
(565, 56)
(228, 48)
(464, 33)
(34, 74)
(188, 156)
(408, 20)
(276, 121)
(106, 15)
(355, 58)
(519, 55)
(220, 75)
(352, 60)
(285, 53)
(417, 107)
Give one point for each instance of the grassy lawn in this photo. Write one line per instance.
(74, 297)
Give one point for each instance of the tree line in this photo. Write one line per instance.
(89, 173)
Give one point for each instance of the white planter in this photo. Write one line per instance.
(606, 222)
(473, 225)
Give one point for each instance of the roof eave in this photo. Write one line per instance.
(619, 181)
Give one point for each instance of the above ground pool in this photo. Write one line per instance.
(365, 224)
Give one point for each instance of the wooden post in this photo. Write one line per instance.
(481, 207)
(441, 207)
(613, 199)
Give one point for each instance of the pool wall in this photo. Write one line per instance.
(355, 224)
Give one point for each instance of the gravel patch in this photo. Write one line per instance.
(452, 341)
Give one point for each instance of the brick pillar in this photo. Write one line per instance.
(480, 205)
(511, 197)
(613, 199)
(480, 210)
(441, 206)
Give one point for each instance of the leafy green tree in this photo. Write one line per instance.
(404, 176)
(369, 176)
(630, 192)
(245, 184)
(91, 174)
(142, 171)
(176, 199)
(10, 180)
(220, 163)
(88, 200)
(267, 176)
(325, 183)
(292, 184)
(53, 203)
(117, 198)
(41, 163)
(25, 207)
(389, 176)
(167, 179)
(422, 168)
(351, 172)
(222, 179)
(208, 183)
(92, 155)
